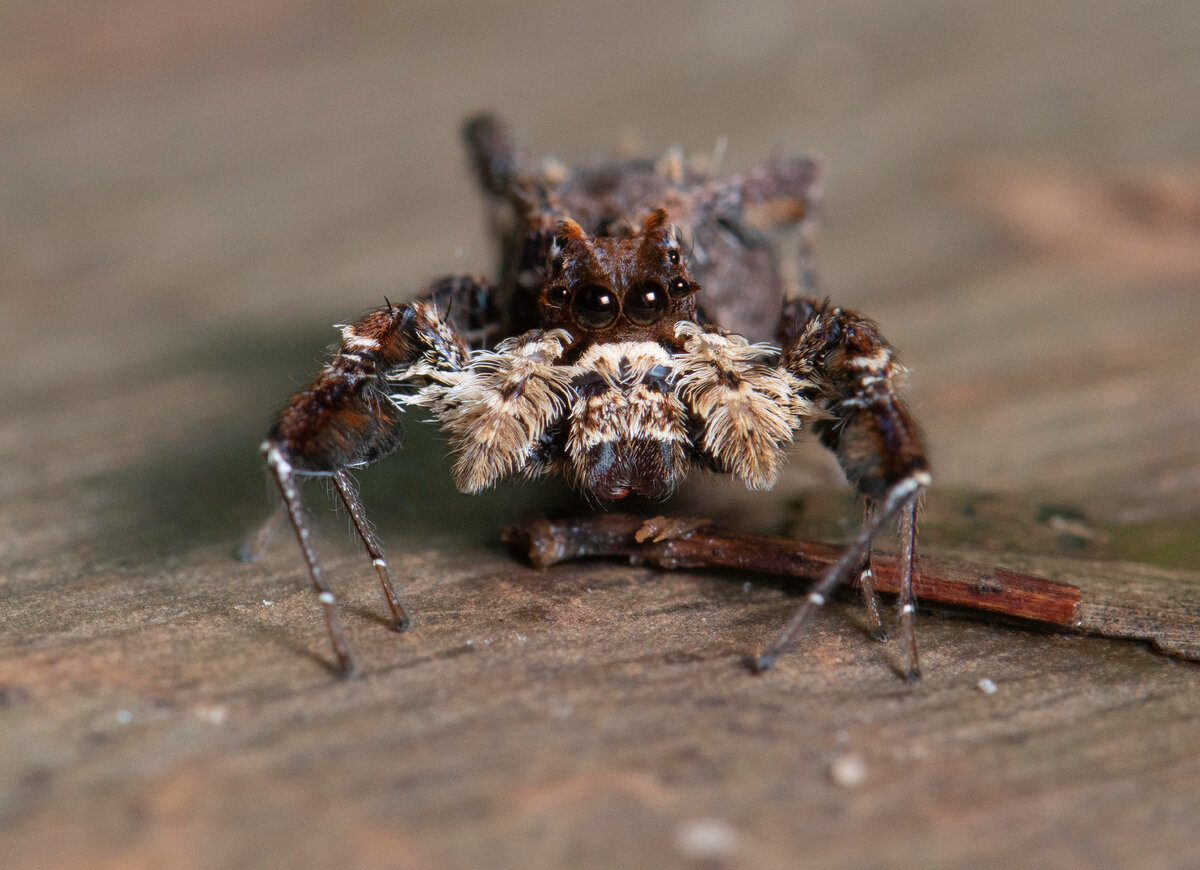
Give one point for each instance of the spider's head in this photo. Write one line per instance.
(627, 289)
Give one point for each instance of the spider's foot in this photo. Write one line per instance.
(761, 664)
(878, 632)
(247, 553)
(253, 548)
(912, 675)
(401, 624)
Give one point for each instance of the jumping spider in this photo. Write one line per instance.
(599, 355)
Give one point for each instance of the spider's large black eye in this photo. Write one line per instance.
(646, 302)
(557, 295)
(595, 306)
(673, 256)
(679, 287)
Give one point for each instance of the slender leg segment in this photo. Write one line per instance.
(907, 601)
(866, 583)
(524, 210)
(282, 472)
(344, 484)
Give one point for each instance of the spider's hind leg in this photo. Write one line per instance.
(497, 158)
(848, 370)
(523, 213)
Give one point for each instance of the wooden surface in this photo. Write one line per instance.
(192, 193)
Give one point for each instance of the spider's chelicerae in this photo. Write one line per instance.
(612, 351)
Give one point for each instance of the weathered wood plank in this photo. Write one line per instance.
(191, 193)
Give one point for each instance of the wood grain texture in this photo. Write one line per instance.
(191, 194)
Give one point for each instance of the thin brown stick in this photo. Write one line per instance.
(684, 543)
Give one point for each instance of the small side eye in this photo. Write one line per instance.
(596, 306)
(679, 287)
(673, 256)
(557, 295)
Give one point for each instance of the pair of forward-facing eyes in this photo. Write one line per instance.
(595, 306)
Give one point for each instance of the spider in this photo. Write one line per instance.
(599, 355)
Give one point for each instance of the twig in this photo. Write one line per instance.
(692, 543)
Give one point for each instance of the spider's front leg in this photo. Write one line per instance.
(849, 372)
(347, 419)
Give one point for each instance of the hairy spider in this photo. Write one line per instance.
(599, 355)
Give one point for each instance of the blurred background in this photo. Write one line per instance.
(191, 194)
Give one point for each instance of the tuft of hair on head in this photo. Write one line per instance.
(657, 227)
(570, 233)
(573, 245)
(657, 234)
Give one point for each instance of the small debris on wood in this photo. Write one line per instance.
(706, 839)
(848, 771)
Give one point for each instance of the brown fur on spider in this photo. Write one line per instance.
(599, 355)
